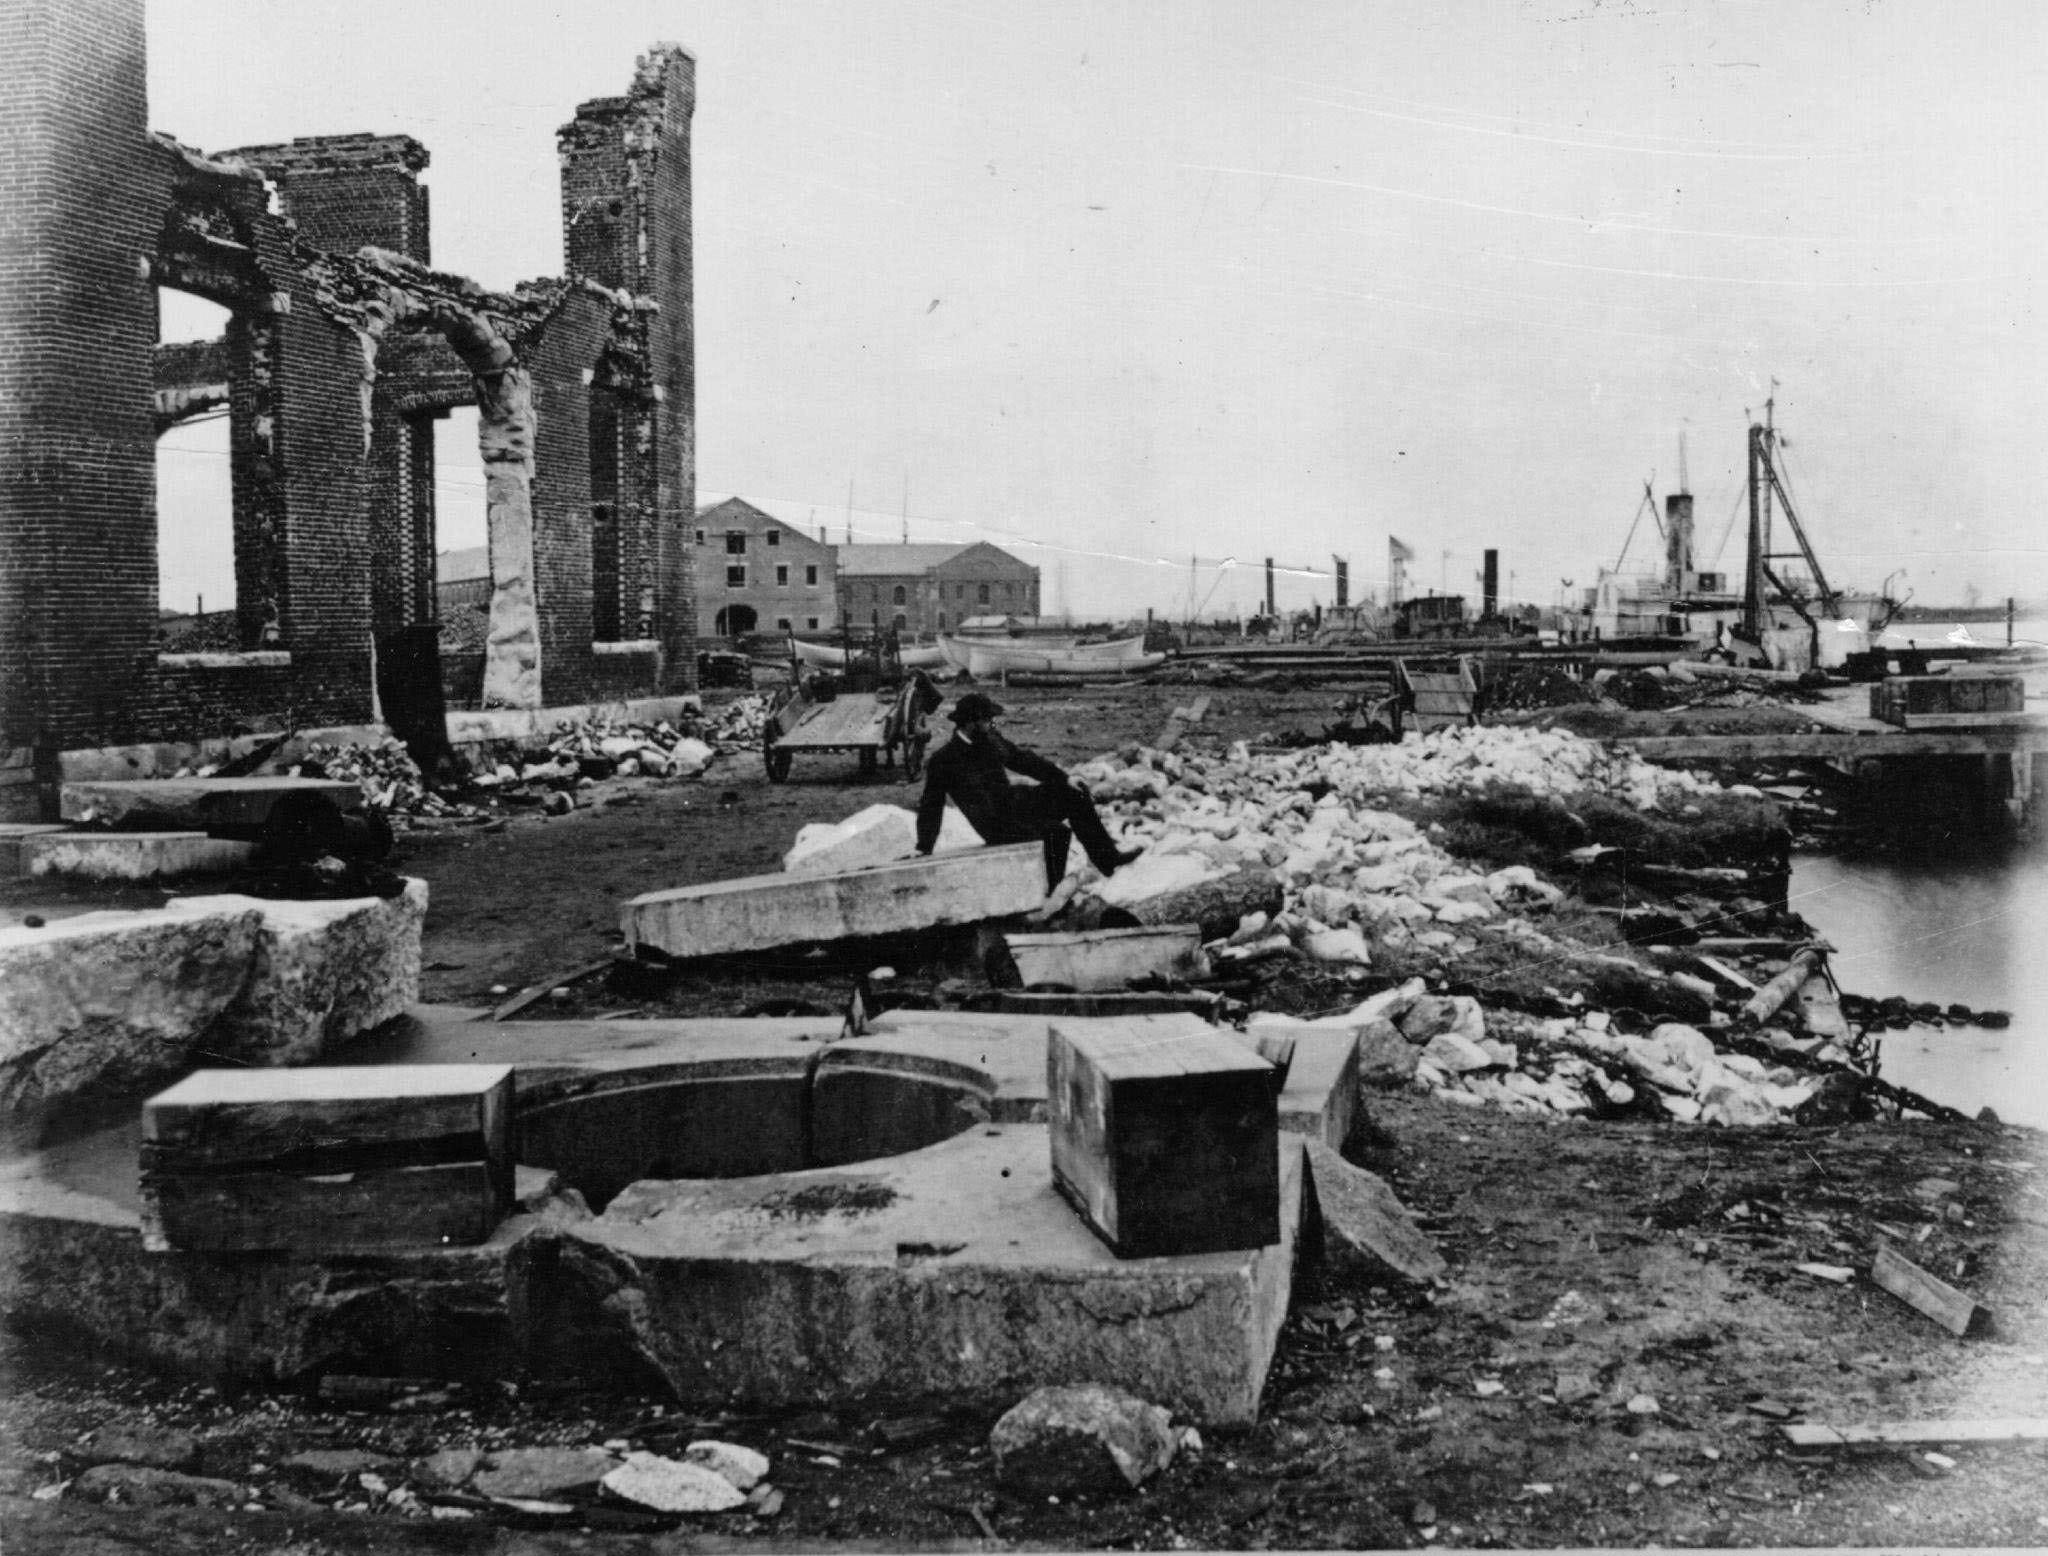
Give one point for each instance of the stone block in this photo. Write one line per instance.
(320, 973)
(194, 804)
(14, 837)
(132, 856)
(360, 1156)
(1366, 1229)
(1164, 1135)
(1058, 1441)
(116, 1000)
(1100, 959)
(761, 912)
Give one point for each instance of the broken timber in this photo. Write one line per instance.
(1164, 1136)
(1096, 960)
(762, 912)
(369, 1156)
(1948, 1307)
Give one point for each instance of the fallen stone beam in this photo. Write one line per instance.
(761, 912)
(15, 837)
(193, 804)
(1164, 1135)
(1092, 961)
(367, 1156)
(132, 856)
(1812, 1434)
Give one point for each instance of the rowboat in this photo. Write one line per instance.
(988, 657)
(831, 656)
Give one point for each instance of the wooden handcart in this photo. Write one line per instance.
(878, 726)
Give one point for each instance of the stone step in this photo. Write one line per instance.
(201, 804)
(131, 856)
(761, 912)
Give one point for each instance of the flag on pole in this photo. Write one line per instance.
(1399, 550)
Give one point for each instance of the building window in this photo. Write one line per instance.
(811, 573)
(735, 542)
(736, 577)
(700, 537)
(1009, 591)
(959, 591)
(981, 594)
(781, 623)
(811, 623)
(774, 538)
(942, 621)
(782, 578)
(902, 597)
(902, 621)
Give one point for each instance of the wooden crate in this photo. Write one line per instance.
(1165, 1135)
(326, 1159)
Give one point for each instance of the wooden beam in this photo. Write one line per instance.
(1835, 746)
(1938, 1300)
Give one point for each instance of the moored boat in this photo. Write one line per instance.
(832, 656)
(982, 657)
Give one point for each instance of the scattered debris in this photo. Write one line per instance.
(1960, 1315)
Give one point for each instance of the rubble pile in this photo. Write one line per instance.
(391, 782)
(1356, 875)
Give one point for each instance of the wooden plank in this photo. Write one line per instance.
(1938, 1300)
(450, 1203)
(1813, 1434)
(1095, 960)
(1836, 746)
(1031, 1003)
(1164, 1136)
(536, 991)
(1731, 978)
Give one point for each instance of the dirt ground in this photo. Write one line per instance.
(1608, 1362)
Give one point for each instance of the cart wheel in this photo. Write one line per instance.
(913, 757)
(775, 760)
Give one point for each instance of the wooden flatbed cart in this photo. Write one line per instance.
(877, 725)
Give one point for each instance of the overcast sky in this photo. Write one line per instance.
(1118, 284)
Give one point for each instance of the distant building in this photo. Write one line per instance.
(462, 577)
(758, 574)
(921, 587)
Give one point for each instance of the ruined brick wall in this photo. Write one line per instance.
(81, 201)
(626, 224)
(559, 355)
(348, 191)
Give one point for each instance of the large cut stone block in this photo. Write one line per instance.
(320, 973)
(956, 1271)
(14, 839)
(197, 804)
(347, 1157)
(759, 912)
(109, 1001)
(132, 856)
(1164, 1133)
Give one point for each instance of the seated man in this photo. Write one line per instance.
(972, 770)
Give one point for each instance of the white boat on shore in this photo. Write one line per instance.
(832, 656)
(986, 658)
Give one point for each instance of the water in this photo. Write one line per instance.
(1973, 933)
